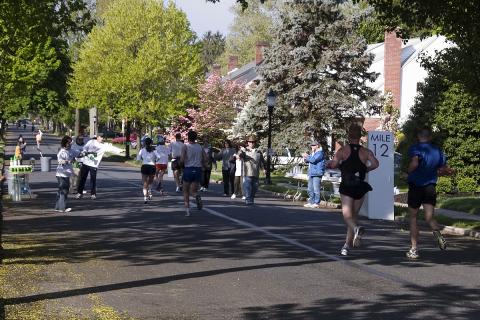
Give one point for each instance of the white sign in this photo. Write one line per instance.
(379, 202)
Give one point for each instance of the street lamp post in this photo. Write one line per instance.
(271, 101)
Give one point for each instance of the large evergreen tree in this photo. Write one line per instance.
(318, 67)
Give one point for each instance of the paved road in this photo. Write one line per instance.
(275, 260)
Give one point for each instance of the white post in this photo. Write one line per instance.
(379, 202)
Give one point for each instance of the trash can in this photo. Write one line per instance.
(45, 164)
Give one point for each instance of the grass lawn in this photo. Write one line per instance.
(467, 224)
(465, 204)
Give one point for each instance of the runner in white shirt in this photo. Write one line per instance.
(176, 151)
(149, 157)
(162, 162)
(194, 160)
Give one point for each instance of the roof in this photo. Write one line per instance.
(245, 74)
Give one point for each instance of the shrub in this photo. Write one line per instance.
(467, 184)
(444, 185)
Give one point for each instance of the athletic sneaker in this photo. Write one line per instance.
(93, 197)
(442, 243)
(243, 198)
(150, 196)
(145, 200)
(67, 210)
(178, 189)
(357, 237)
(233, 196)
(307, 205)
(314, 206)
(344, 250)
(413, 254)
(198, 200)
(78, 196)
(187, 212)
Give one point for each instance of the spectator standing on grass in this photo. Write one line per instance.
(65, 159)
(316, 169)
(427, 161)
(252, 163)
(354, 162)
(225, 156)
(194, 159)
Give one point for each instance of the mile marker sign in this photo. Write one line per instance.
(379, 202)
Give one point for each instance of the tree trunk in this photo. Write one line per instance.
(77, 121)
(127, 140)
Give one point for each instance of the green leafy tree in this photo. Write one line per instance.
(141, 63)
(34, 60)
(250, 25)
(452, 110)
(318, 67)
(456, 20)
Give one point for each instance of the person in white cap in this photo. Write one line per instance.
(316, 169)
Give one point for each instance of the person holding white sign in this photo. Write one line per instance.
(426, 163)
(354, 162)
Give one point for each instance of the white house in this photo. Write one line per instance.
(398, 66)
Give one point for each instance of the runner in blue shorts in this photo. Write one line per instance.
(194, 160)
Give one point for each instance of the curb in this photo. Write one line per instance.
(454, 231)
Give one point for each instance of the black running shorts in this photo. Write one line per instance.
(420, 195)
(148, 169)
(176, 164)
(355, 191)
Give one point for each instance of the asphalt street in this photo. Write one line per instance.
(275, 260)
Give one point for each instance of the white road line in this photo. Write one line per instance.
(311, 249)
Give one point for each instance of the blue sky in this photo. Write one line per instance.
(205, 16)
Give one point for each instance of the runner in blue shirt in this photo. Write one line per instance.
(426, 162)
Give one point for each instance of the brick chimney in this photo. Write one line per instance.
(260, 46)
(392, 66)
(232, 63)
(216, 69)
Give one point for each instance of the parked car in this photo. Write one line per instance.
(121, 139)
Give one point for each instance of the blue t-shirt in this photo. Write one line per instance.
(430, 158)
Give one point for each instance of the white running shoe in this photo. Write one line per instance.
(314, 205)
(233, 196)
(187, 212)
(307, 205)
(345, 249)
(243, 198)
(145, 200)
(178, 189)
(78, 196)
(93, 197)
(67, 210)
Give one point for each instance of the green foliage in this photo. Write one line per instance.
(34, 61)
(318, 67)
(249, 26)
(213, 46)
(465, 204)
(467, 184)
(141, 63)
(445, 185)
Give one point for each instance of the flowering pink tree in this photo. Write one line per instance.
(219, 102)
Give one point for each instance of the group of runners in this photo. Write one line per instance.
(189, 160)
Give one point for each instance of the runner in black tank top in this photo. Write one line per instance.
(352, 160)
(353, 175)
